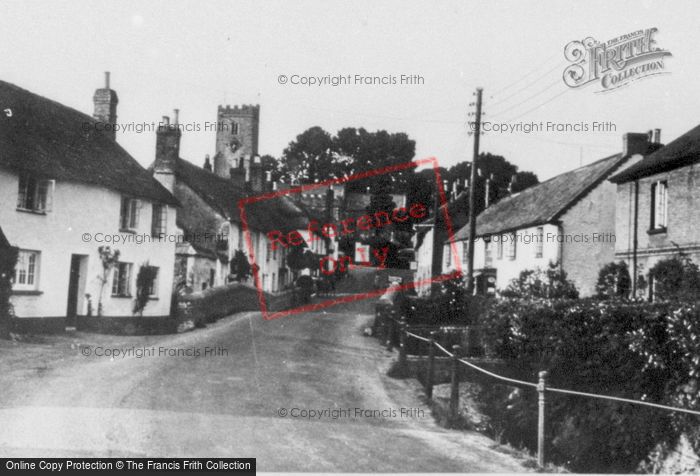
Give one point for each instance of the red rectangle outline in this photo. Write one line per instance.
(355, 297)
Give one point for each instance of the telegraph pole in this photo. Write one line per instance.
(472, 196)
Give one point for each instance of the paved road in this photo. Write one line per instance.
(228, 405)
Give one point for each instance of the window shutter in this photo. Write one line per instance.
(115, 280)
(137, 212)
(49, 186)
(124, 214)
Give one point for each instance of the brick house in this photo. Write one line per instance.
(66, 188)
(658, 208)
(568, 220)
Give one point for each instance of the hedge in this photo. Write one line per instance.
(647, 351)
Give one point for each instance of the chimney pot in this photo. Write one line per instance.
(166, 120)
(176, 116)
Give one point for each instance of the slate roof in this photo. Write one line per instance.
(222, 195)
(685, 150)
(3, 241)
(544, 202)
(54, 141)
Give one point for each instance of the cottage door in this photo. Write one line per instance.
(74, 280)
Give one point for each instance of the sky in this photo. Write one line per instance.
(197, 55)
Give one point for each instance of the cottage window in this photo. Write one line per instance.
(268, 252)
(659, 205)
(511, 246)
(212, 277)
(499, 251)
(240, 238)
(448, 258)
(465, 252)
(539, 245)
(129, 214)
(488, 254)
(121, 279)
(223, 237)
(35, 195)
(159, 221)
(26, 271)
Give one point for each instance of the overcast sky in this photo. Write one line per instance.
(197, 55)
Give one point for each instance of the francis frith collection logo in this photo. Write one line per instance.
(614, 63)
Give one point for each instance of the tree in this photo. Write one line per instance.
(676, 278)
(614, 281)
(309, 157)
(240, 266)
(315, 155)
(145, 280)
(109, 258)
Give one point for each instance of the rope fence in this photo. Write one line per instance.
(392, 325)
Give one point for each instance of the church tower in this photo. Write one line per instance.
(236, 137)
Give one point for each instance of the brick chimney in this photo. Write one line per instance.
(105, 101)
(636, 143)
(167, 151)
(237, 173)
(256, 180)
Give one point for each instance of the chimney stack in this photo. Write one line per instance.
(511, 185)
(167, 153)
(255, 177)
(105, 101)
(207, 163)
(636, 142)
(657, 136)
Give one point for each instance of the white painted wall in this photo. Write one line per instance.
(526, 258)
(79, 209)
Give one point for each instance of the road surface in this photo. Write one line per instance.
(57, 402)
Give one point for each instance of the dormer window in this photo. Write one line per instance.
(129, 214)
(35, 195)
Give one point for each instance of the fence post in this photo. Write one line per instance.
(431, 365)
(540, 417)
(402, 344)
(390, 330)
(454, 394)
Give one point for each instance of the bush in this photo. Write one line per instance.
(676, 278)
(614, 281)
(551, 283)
(646, 351)
(8, 260)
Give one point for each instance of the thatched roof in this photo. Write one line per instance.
(278, 213)
(545, 202)
(51, 140)
(685, 150)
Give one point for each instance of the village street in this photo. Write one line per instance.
(58, 402)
